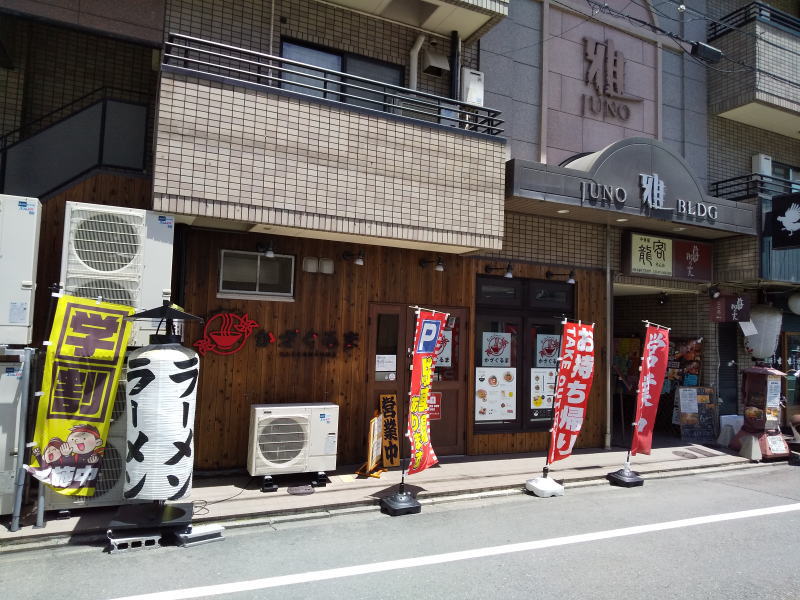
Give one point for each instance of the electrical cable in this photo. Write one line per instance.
(200, 507)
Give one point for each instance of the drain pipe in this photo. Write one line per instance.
(413, 62)
(609, 336)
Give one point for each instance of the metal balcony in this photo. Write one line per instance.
(239, 66)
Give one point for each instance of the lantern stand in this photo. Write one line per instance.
(142, 525)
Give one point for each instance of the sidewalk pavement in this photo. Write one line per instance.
(236, 501)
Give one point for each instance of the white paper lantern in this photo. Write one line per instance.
(161, 391)
(767, 321)
(794, 303)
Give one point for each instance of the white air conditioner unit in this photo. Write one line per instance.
(121, 255)
(292, 438)
(110, 480)
(20, 219)
(762, 164)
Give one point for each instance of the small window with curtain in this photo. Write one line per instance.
(253, 275)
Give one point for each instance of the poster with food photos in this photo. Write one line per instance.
(543, 391)
(495, 394)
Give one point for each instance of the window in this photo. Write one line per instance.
(789, 174)
(251, 275)
(518, 336)
(330, 86)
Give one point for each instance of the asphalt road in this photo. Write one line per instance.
(674, 538)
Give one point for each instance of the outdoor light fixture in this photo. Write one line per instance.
(570, 276)
(714, 292)
(357, 259)
(509, 274)
(437, 261)
(267, 251)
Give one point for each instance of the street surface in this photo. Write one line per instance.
(674, 538)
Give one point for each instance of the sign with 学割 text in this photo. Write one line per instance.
(651, 380)
(426, 339)
(81, 373)
(573, 384)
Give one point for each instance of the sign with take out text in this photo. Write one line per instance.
(651, 380)
(426, 339)
(573, 384)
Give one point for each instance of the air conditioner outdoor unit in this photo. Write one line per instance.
(20, 220)
(762, 164)
(292, 438)
(121, 255)
(110, 480)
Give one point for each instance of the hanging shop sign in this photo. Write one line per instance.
(426, 337)
(729, 308)
(659, 256)
(783, 222)
(84, 360)
(651, 380)
(391, 429)
(574, 382)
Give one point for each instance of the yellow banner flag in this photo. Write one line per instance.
(81, 372)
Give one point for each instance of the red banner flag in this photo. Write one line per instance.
(651, 380)
(575, 372)
(426, 338)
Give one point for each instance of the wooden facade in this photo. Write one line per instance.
(259, 374)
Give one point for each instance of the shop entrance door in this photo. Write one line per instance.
(391, 337)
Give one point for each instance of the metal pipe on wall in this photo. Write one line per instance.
(455, 65)
(413, 62)
(609, 336)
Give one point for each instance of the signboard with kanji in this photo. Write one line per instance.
(84, 361)
(661, 256)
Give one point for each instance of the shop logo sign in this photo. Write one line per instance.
(605, 73)
(225, 333)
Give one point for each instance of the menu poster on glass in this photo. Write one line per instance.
(495, 394)
(444, 349)
(547, 347)
(496, 349)
(543, 391)
(773, 401)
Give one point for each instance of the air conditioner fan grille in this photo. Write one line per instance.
(106, 242)
(281, 439)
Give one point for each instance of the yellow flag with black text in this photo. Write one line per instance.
(81, 372)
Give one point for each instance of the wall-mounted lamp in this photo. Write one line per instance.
(267, 251)
(509, 274)
(714, 292)
(437, 261)
(357, 259)
(570, 276)
(663, 298)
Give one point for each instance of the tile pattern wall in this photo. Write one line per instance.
(59, 66)
(266, 158)
(250, 24)
(736, 259)
(12, 81)
(732, 146)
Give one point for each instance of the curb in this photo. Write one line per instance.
(59, 540)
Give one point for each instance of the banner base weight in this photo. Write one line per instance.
(400, 503)
(544, 487)
(625, 478)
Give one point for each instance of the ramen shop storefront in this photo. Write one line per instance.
(517, 341)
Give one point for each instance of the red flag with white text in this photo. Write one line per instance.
(575, 373)
(651, 380)
(426, 338)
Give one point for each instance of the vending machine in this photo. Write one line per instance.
(762, 393)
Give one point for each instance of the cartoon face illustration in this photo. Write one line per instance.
(84, 439)
(52, 452)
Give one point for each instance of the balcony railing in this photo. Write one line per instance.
(752, 186)
(237, 66)
(751, 12)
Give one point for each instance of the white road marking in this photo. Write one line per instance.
(422, 561)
